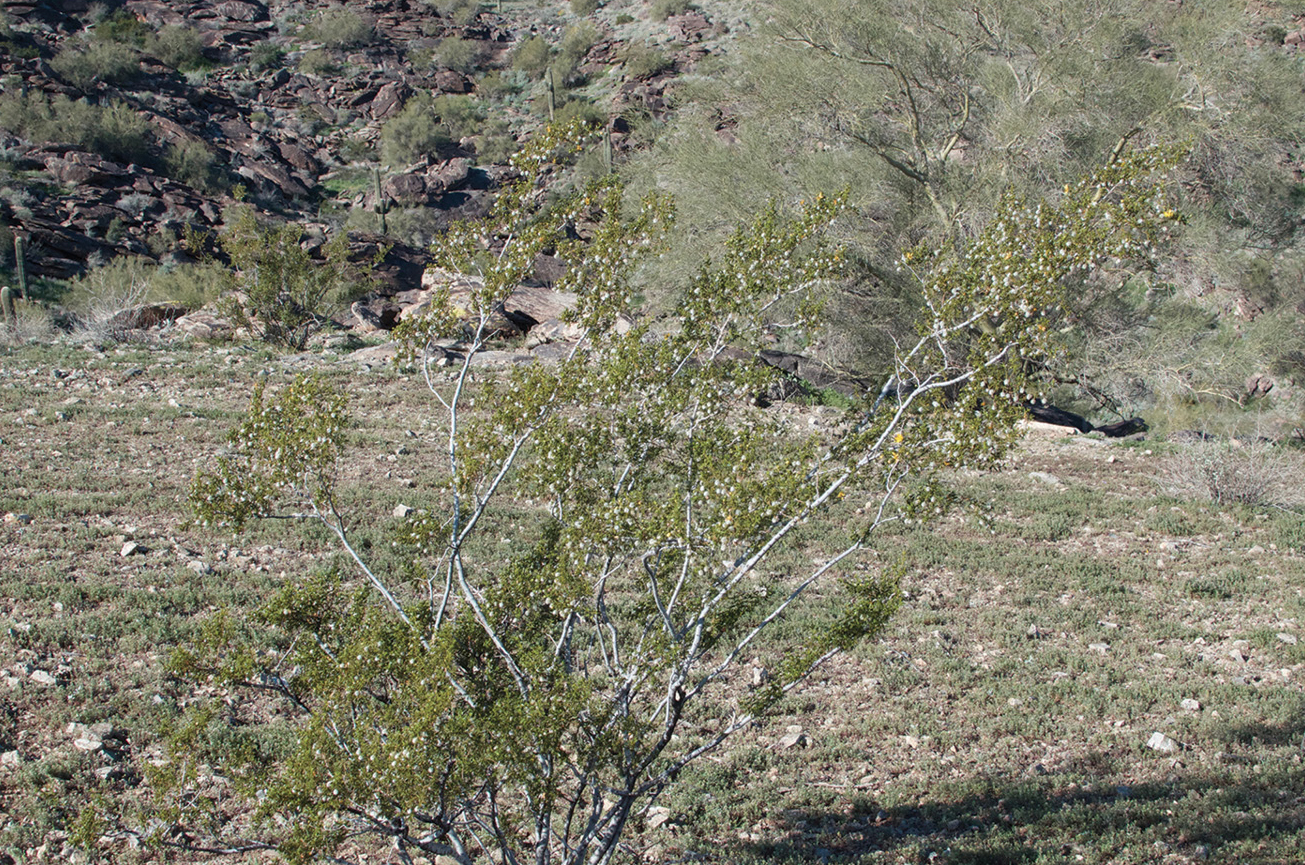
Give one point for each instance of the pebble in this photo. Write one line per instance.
(1190, 705)
(131, 548)
(41, 677)
(21, 519)
(401, 511)
(1289, 639)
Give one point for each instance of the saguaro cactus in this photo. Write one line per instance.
(7, 307)
(20, 266)
(380, 202)
(552, 95)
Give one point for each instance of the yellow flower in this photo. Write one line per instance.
(1169, 214)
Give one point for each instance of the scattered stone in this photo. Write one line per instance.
(1289, 639)
(1047, 478)
(402, 511)
(657, 816)
(1238, 656)
(20, 519)
(794, 738)
(131, 548)
(1162, 743)
(1100, 648)
(1190, 705)
(41, 677)
(200, 567)
(88, 745)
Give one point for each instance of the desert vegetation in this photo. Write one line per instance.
(600, 432)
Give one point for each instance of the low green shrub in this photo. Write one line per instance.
(123, 28)
(461, 116)
(265, 56)
(458, 54)
(644, 61)
(584, 7)
(318, 61)
(84, 66)
(532, 56)
(340, 27)
(412, 133)
(663, 9)
(194, 164)
(460, 12)
(180, 47)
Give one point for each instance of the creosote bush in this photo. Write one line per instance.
(471, 704)
(287, 294)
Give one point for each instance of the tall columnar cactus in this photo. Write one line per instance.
(380, 202)
(20, 266)
(7, 307)
(552, 95)
(607, 148)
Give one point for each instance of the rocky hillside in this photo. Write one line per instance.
(119, 128)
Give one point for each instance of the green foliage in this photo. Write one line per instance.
(584, 8)
(340, 27)
(286, 292)
(180, 47)
(123, 28)
(532, 56)
(458, 54)
(192, 163)
(663, 9)
(413, 133)
(318, 61)
(460, 12)
(461, 116)
(265, 56)
(113, 130)
(575, 44)
(580, 110)
(84, 66)
(539, 694)
(644, 61)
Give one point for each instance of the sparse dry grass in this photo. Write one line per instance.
(1003, 718)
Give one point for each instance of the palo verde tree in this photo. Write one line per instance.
(527, 708)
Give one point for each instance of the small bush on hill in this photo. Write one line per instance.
(124, 28)
(461, 115)
(460, 12)
(663, 9)
(193, 164)
(319, 61)
(532, 56)
(644, 61)
(412, 133)
(265, 56)
(458, 54)
(340, 27)
(83, 67)
(584, 7)
(180, 47)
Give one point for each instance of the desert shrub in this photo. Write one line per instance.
(102, 298)
(461, 115)
(584, 8)
(623, 19)
(318, 61)
(340, 27)
(416, 226)
(287, 293)
(194, 164)
(265, 56)
(529, 701)
(1250, 472)
(83, 66)
(575, 44)
(495, 143)
(355, 148)
(412, 133)
(581, 110)
(180, 47)
(532, 56)
(497, 85)
(644, 61)
(460, 12)
(124, 28)
(663, 9)
(458, 54)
